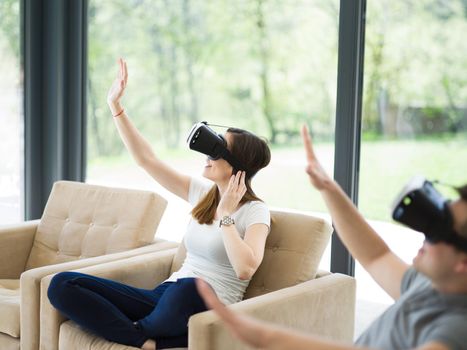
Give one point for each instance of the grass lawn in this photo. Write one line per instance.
(386, 166)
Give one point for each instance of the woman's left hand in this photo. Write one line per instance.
(233, 194)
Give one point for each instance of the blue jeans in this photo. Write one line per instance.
(125, 314)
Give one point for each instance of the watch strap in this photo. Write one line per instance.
(226, 221)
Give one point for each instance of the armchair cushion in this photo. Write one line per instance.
(73, 337)
(82, 221)
(9, 307)
(15, 246)
(9, 343)
(293, 251)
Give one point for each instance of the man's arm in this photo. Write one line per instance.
(361, 240)
(259, 334)
(281, 338)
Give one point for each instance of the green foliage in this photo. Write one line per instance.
(228, 62)
(386, 166)
(9, 25)
(270, 66)
(415, 58)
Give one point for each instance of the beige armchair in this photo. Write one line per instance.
(82, 225)
(285, 290)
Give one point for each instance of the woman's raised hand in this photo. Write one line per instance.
(117, 89)
(318, 177)
(233, 194)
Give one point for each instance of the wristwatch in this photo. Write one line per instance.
(226, 221)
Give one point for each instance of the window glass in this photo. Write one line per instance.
(266, 65)
(414, 112)
(11, 117)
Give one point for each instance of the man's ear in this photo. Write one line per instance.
(461, 266)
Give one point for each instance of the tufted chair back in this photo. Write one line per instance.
(294, 248)
(82, 221)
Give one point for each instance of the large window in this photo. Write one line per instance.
(11, 121)
(265, 65)
(414, 111)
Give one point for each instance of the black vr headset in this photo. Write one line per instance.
(205, 140)
(421, 207)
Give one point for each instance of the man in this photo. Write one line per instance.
(430, 312)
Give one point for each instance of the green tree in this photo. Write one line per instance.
(9, 25)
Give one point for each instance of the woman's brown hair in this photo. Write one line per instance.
(253, 152)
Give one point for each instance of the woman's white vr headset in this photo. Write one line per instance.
(421, 207)
(205, 140)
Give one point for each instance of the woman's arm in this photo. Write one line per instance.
(138, 146)
(245, 254)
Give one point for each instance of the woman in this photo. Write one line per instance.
(225, 243)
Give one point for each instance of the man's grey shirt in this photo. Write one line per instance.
(419, 316)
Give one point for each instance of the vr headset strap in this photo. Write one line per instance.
(457, 241)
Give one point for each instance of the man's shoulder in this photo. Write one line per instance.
(414, 279)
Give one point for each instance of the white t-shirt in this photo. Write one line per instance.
(206, 254)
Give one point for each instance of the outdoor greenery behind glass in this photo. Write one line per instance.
(414, 112)
(264, 65)
(11, 116)
(415, 98)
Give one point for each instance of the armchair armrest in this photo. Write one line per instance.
(30, 286)
(144, 271)
(15, 246)
(324, 306)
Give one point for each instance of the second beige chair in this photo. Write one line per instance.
(82, 225)
(285, 290)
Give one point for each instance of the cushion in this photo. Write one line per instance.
(73, 337)
(293, 251)
(82, 221)
(9, 343)
(9, 307)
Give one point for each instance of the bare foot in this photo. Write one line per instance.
(149, 345)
